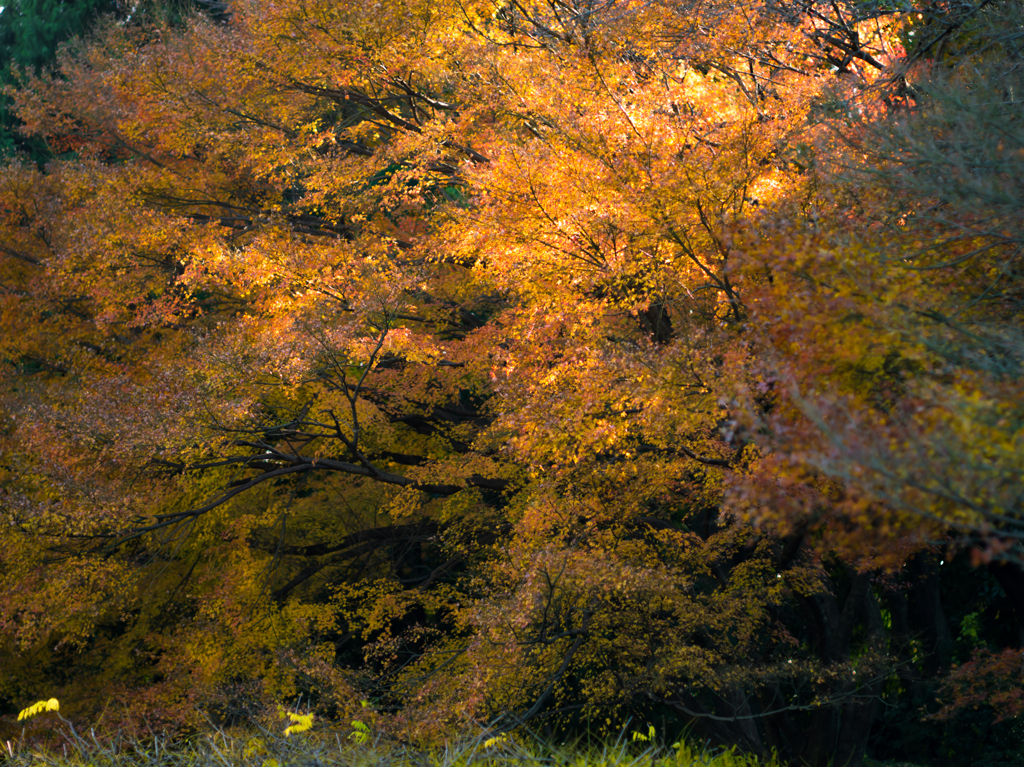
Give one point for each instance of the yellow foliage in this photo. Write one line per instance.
(37, 708)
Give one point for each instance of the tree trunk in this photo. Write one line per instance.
(1011, 578)
(927, 618)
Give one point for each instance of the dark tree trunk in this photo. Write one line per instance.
(1011, 578)
(927, 618)
(900, 642)
(861, 708)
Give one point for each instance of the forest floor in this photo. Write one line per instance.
(264, 750)
(357, 749)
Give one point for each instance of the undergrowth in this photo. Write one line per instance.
(266, 749)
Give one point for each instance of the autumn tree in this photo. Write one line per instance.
(472, 358)
(892, 332)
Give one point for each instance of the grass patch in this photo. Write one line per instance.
(266, 749)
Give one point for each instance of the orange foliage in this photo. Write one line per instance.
(520, 362)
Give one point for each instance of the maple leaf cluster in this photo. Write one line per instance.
(517, 364)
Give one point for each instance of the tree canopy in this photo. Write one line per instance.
(520, 364)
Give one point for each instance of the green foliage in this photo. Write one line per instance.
(31, 30)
